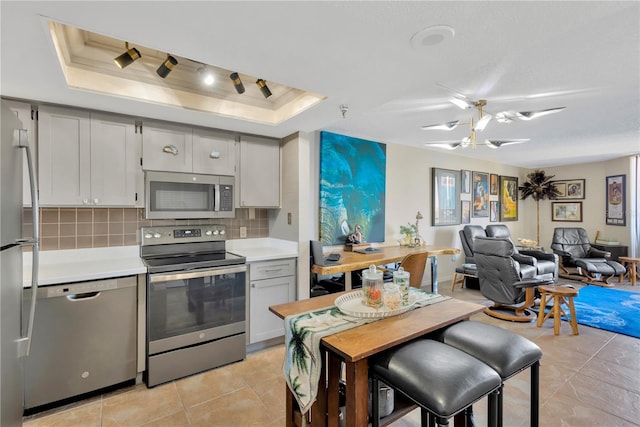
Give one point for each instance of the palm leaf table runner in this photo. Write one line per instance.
(303, 332)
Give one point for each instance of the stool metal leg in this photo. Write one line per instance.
(495, 412)
(375, 402)
(535, 394)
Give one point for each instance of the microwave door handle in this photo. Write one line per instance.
(216, 197)
(24, 343)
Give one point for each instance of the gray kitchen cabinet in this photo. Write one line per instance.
(167, 147)
(271, 282)
(26, 113)
(87, 159)
(214, 152)
(259, 173)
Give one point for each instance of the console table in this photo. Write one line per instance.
(616, 250)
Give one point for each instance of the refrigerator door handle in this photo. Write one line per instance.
(20, 138)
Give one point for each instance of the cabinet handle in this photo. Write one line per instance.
(171, 149)
(214, 154)
(96, 201)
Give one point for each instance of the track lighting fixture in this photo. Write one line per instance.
(165, 68)
(128, 57)
(263, 88)
(206, 75)
(237, 83)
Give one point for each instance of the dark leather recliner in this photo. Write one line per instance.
(468, 269)
(575, 251)
(545, 263)
(509, 284)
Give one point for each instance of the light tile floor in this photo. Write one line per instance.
(588, 380)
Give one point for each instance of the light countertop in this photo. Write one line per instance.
(78, 265)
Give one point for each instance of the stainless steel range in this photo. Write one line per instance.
(196, 301)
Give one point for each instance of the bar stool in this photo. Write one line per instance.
(562, 296)
(505, 352)
(440, 379)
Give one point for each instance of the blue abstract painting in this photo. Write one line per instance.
(352, 188)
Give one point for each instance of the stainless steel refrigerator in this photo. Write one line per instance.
(14, 345)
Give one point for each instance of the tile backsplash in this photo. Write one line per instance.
(75, 228)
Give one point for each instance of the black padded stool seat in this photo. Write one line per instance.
(439, 378)
(505, 352)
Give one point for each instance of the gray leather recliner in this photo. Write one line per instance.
(506, 282)
(545, 263)
(575, 251)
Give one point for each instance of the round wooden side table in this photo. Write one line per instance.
(632, 270)
(561, 296)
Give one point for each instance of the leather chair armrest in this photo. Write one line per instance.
(598, 253)
(541, 255)
(562, 253)
(525, 259)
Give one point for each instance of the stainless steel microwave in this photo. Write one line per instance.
(174, 195)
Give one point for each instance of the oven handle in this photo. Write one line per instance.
(193, 274)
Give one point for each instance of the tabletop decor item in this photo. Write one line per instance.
(540, 187)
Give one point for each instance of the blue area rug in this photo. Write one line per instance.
(609, 309)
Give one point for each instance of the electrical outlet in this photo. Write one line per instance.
(243, 232)
(289, 218)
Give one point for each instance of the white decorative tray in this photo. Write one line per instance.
(351, 305)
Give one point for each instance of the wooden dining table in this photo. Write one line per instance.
(353, 347)
(352, 261)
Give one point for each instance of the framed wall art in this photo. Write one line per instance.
(566, 211)
(493, 214)
(493, 185)
(466, 211)
(466, 182)
(508, 198)
(445, 197)
(616, 203)
(570, 189)
(352, 188)
(480, 196)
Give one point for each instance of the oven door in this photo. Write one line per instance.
(195, 306)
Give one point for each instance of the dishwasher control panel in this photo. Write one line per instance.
(85, 287)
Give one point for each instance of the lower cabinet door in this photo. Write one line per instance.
(263, 324)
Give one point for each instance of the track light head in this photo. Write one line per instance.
(127, 57)
(237, 83)
(263, 88)
(165, 68)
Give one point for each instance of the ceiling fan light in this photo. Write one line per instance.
(443, 126)
(465, 142)
(530, 115)
(483, 122)
(461, 103)
(451, 146)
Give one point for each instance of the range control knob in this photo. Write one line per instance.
(221, 232)
(208, 233)
(157, 235)
(147, 235)
(215, 232)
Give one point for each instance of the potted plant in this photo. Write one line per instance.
(409, 231)
(540, 187)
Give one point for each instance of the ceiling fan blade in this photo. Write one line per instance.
(448, 145)
(500, 143)
(530, 115)
(506, 116)
(443, 126)
(461, 103)
(483, 122)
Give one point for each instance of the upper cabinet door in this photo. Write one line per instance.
(259, 172)
(64, 156)
(166, 147)
(115, 154)
(214, 152)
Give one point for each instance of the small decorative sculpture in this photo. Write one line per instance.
(356, 237)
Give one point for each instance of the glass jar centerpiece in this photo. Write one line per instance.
(372, 287)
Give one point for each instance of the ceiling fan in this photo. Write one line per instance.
(482, 122)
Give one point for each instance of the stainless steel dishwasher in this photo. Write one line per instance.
(84, 339)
